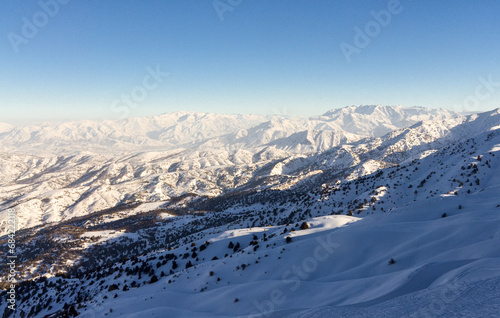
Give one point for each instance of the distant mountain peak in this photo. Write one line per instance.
(4, 127)
(370, 109)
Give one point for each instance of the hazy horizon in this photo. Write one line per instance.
(273, 112)
(136, 60)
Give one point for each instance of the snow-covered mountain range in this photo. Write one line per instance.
(53, 172)
(351, 213)
(190, 129)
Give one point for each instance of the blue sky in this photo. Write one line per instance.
(265, 56)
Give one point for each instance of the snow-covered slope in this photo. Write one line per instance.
(209, 229)
(416, 239)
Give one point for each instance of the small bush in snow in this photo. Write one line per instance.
(113, 287)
